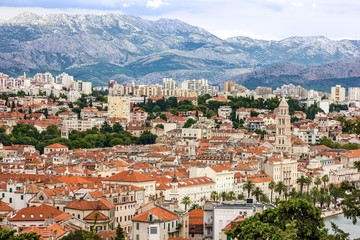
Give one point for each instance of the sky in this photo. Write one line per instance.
(261, 19)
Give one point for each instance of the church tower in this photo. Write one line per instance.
(283, 128)
(64, 131)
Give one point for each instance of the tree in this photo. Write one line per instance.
(308, 182)
(117, 128)
(257, 192)
(272, 186)
(317, 182)
(301, 181)
(81, 235)
(119, 233)
(293, 219)
(280, 187)
(195, 206)
(325, 179)
(105, 128)
(214, 196)
(146, 138)
(248, 186)
(314, 194)
(186, 201)
(189, 123)
(231, 196)
(223, 196)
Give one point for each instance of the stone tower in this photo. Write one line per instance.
(64, 131)
(283, 128)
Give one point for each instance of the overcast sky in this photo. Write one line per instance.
(263, 19)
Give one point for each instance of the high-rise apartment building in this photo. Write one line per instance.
(119, 107)
(65, 80)
(338, 93)
(169, 84)
(44, 78)
(354, 93)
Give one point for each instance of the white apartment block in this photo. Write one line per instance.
(338, 93)
(354, 93)
(83, 87)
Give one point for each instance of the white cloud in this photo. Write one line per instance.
(154, 4)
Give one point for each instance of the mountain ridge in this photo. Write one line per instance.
(132, 48)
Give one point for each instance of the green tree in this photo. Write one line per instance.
(189, 123)
(214, 196)
(272, 186)
(325, 179)
(257, 192)
(116, 141)
(248, 186)
(119, 233)
(117, 127)
(317, 182)
(231, 196)
(308, 182)
(280, 187)
(146, 138)
(80, 143)
(301, 181)
(105, 128)
(186, 201)
(293, 219)
(81, 235)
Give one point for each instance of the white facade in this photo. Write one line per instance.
(338, 93)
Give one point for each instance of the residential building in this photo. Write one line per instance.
(119, 107)
(338, 93)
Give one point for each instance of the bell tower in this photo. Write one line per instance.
(283, 128)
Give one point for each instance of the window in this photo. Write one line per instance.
(22, 197)
(31, 215)
(137, 226)
(137, 237)
(23, 215)
(41, 215)
(78, 216)
(10, 189)
(153, 230)
(10, 200)
(3, 195)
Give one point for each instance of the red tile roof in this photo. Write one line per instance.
(159, 212)
(39, 213)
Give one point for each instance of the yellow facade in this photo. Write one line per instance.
(119, 107)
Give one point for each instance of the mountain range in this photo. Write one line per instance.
(98, 48)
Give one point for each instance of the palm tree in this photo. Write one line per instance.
(231, 196)
(257, 193)
(335, 193)
(223, 196)
(248, 186)
(272, 186)
(317, 182)
(214, 196)
(195, 206)
(280, 187)
(314, 194)
(308, 182)
(264, 198)
(186, 201)
(301, 181)
(293, 193)
(325, 179)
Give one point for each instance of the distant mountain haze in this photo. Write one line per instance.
(98, 48)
